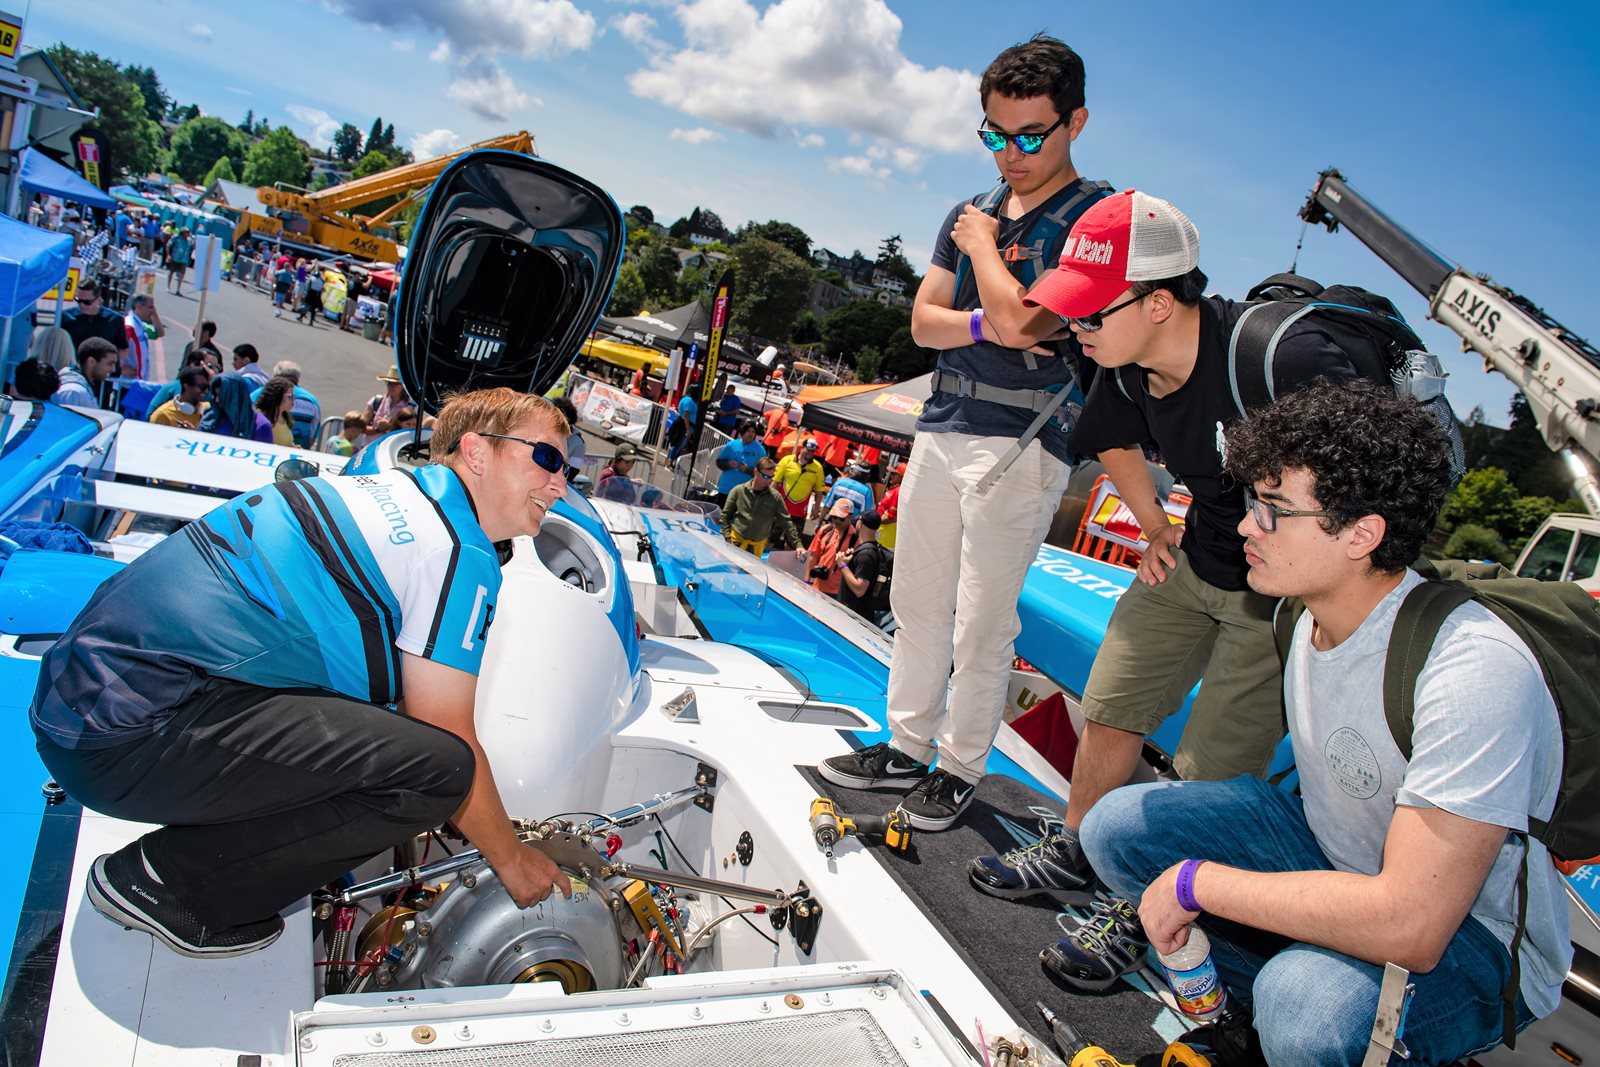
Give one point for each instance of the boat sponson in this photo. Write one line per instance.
(1001, 939)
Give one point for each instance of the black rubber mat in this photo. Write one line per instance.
(1001, 939)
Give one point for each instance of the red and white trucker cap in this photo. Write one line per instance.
(1130, 237)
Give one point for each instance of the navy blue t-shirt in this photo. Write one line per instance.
(996, 365)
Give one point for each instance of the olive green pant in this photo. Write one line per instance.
(1164, 638)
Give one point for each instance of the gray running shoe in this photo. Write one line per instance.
(1108, 945)
(1054, 867)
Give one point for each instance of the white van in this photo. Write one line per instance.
(1565, 549)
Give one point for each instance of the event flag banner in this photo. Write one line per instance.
(74, 272)
(615, 412)
(720, 305)
(10, 38)
(88, 149)
(1111, 520)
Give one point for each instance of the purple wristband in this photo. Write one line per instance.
(975, 326)
(1185, 886)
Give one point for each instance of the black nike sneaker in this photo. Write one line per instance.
(936, 802)
(1054, 867)
(880, 766)
(1106, 946)
(124, 889)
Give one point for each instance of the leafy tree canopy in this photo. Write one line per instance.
(786, 234)
(221, 170)
(347, 143)
(771, 290)
(131, 140)
(859, 324)
(279, 156)
(627, 297)
(156, 100)
(197, 145)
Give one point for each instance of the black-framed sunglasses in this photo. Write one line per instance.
(1092, 322)
(545, 456)
(1027, 143)
(1266, 514)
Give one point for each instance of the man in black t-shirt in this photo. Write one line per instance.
(1130, 286)
(858, 580)
(965, 542)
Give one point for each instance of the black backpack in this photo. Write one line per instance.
(1365, 326)
(1560, 624)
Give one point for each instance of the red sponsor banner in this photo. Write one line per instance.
(1112, 520)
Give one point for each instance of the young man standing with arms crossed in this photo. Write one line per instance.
(965, 549)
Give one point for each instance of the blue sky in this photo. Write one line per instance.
(1472, 124)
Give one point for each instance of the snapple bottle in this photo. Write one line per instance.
(1194, 978)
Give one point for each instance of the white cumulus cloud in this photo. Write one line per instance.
(522, 27)
(485, 89)
(860, 166)
(201, 32)
(440, 53)
(698, 135)
(314, 125)
(636, 27)
(824, 63)
(435, 143)
(809, 140)
(404, 44)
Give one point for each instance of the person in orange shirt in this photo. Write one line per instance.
(777, 427)
(832, 537)
(889, 508)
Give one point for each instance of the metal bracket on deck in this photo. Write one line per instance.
(1394, 997)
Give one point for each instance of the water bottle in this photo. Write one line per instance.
(1194, 978)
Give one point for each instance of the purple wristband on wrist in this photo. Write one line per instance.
(1185, 886)
(975, 326)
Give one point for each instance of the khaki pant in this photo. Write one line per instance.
(1161, 640)
(960, 561)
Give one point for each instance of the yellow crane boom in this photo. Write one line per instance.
(332, 222)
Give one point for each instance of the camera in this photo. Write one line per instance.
(819, 572)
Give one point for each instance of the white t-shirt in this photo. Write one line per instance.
(1486, 745)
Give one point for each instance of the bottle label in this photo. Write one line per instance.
(1198, 990)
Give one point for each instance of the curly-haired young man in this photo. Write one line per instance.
(966, 541)
(1379, 858)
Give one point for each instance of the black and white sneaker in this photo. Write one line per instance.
(124, 889)
(880, 766)
(937, 801)
(1054, 866)
(1106, 946)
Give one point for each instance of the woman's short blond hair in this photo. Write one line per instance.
(52, 346)
(489, 411)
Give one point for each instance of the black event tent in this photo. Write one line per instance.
(884, 418)
(686, 325)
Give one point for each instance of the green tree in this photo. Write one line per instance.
(658, 269)
(692, 285)
(806, 329)
(375, 135)
(197, 145)
(851, 327)
(627, 297)
(132, 140)
(904, 358)
(869, 364)
(786, 234)
(679, 229)
(1471, 541)
(221, 170)
(773, 284)
(643, 214)
(1485, 498)
(156, 100)
(321, 180)
(1523, 454)
(347, 143)
(249, 123)
(373, 162)
(280, 156)
(894, 263)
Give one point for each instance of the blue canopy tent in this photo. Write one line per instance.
(41, 174)
(32, 262)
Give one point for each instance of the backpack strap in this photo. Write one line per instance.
(989, 203)
(1298, 284)
(1253, 346)
(1508, 996)
(1040, 235)
(1416, 626)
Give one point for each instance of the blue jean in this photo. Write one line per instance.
(1312, 1006)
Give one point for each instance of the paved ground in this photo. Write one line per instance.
(340, 368)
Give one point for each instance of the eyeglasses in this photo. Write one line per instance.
(1093, 322)
(545, 456)
(1027, 143)
(88, 299)
(1267, 514)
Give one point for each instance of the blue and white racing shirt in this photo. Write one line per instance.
(314, 584)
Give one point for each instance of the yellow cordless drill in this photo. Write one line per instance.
(1079, 1053)
(829, 826)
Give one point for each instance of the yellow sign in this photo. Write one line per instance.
(10, 35)
(72, 288)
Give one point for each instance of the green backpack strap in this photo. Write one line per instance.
(1416, 626)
